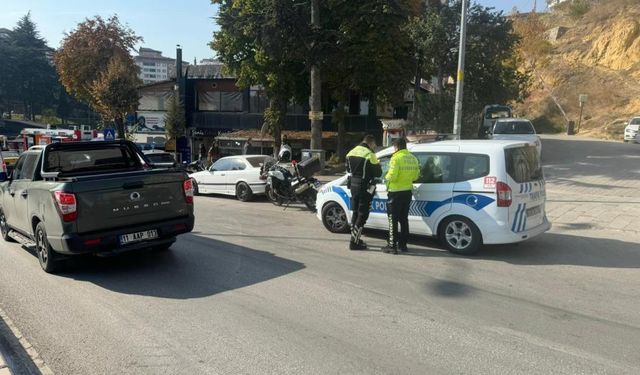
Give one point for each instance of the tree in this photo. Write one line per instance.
(28, 77)
(88, 59)
(359, 58)
(115, 92)
(491, 74)
(264, 42)
(174, 119)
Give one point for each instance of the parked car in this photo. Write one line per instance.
(515, 129)
(488, 118)
(469, 193)
(160, 159)
(232, 175)
(92, 197)
(632, 130)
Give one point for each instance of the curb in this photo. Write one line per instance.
(4, 368)
(29, 351)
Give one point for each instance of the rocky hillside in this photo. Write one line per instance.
(595, 51)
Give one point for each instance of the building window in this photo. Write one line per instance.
(148, 64)
(231, 101)
(258, 101)
(220, 101)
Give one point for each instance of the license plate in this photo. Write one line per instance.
(138, 236)
(533, 211)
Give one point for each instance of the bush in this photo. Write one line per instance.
(578, 8)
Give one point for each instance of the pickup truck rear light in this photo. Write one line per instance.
(504, 194)
(67, 205)
(187, 186)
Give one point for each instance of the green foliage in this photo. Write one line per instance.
(263, 42)
(28, 78)
(491, 69)
(174, 119)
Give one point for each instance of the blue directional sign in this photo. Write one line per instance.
(109, 134)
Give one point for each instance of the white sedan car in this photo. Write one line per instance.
(232, 175)
(516, 129)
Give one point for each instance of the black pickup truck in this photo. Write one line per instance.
(92, 197)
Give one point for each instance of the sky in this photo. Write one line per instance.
(163, 24)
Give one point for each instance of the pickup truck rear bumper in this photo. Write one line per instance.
(106, 243)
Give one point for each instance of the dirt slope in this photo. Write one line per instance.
(599, 55)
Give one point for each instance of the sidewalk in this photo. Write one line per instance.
(17, 356)
(4, 368)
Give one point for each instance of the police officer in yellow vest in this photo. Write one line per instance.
(404, 170)
(364, 169)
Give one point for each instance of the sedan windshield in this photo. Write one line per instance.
(160, 158)
(635, 121)
(514, 127)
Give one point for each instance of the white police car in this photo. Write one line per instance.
(469, 193)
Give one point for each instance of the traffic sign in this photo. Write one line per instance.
(109, 134)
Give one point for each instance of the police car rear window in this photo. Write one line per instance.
(523, 164)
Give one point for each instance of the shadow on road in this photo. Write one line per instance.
(196, 267)
(547, 249)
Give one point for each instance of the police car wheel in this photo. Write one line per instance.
(460, 235)
(334, 218)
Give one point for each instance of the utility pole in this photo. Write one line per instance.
(457, 119)
(315, 99)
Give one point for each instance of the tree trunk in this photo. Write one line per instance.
(339, 117)
(119, 127)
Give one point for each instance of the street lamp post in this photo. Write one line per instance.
(315, 99)
(457, 119)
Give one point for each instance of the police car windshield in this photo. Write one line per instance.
(513, 127)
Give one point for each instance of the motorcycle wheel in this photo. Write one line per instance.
(272, 196)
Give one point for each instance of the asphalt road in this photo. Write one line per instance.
(258, 290)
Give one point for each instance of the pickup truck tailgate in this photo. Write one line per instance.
(129, 199)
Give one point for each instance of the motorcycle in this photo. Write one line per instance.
(194, 166)
(292, 182)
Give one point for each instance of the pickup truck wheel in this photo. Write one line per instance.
(243, 192)
(4, 228)
(48, 258)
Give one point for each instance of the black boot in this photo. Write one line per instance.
(390, 249)
(356, 243)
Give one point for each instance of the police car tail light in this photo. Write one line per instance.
(504, 194)
(67, 205)
(187, 187)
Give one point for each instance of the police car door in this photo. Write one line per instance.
(433, 192)
(378, 214)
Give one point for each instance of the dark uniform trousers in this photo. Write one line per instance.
(360, 204)
(398, 204)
